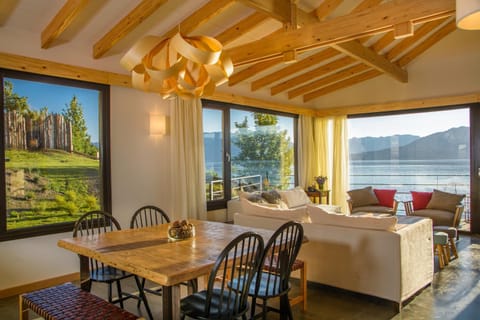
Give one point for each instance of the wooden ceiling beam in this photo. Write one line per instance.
(337, 76)
(363, 76)
(241, 28)
(62, 20)
(281, 10)
(252, 70)
(326, 8)
(405, 44)
(142, 11)
(379, 19)
(422, 47)
(371, 58)
(294, 68)
(312, 74)
(277, 9)
(392, 54)
(210, 10)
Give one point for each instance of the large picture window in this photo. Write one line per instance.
(55, 151)
(412, 151)
(246, 149)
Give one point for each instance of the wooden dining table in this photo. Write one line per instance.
(149, 253)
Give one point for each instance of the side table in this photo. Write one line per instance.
(319, 194)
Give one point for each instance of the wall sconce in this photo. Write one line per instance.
(158, 125)
(468, 14)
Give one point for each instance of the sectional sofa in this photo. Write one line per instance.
(387, 257)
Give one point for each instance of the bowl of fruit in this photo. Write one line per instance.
(181, 230)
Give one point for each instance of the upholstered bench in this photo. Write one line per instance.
(66, 302)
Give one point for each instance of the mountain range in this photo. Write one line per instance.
(450, 144)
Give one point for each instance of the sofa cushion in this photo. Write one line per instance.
(271, 196)
(444, 200)
(362, 197)
(295, 198)
(439, 217)
(385, 196)
(374, 209)
(254, 209)
(320, 216)
(420, 199)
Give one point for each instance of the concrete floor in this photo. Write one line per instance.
(454, 294)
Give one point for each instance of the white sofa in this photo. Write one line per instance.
(369, 255)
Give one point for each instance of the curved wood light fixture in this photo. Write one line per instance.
(188, 67)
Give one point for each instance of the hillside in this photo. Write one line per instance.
(366, 144)
(450, 144)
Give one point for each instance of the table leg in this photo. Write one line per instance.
(171, 302)
(85, 282)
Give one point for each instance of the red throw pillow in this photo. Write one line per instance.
(385, 196)
(420, 199)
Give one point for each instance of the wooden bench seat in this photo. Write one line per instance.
(67, 301)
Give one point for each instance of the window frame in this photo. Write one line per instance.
(104, 153)
(226, 108)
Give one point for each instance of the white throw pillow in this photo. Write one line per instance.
(295, 198)
(320, 216)
(254, 209)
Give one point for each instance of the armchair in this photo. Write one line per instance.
(372, 200)
(443, 208)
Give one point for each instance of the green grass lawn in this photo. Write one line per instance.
(45, 187)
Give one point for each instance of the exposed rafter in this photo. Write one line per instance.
(125, 26)
(326, 8)
(371, 58)
(357, 78)
(348, 72)
(64, 17)
(240, 28)
(252, 70)
(280, 10)
(412, 54)
(312, 74)
(199, 17)
(380, 19)
(294, 68)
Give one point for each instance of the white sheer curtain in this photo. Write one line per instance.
(187, 155)
(307, 156)
(323, 150)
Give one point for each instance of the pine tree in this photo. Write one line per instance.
(80, 137)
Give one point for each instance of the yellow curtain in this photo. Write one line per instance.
(340, 172)
(187, 159)
(323, 151)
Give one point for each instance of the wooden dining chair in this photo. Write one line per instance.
(226, 296)
(98, 222)
(273, 278)
(148, 216)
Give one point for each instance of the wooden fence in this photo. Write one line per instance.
(50, 132)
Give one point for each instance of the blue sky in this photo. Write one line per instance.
(420, 124)
(58, 97)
